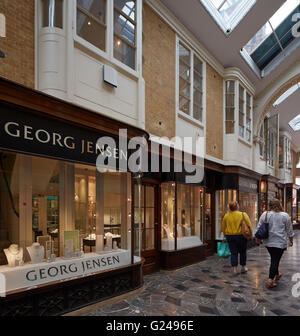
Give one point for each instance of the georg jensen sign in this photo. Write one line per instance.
(31, 134)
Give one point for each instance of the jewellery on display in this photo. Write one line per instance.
(108, 246)
(115, 245)
(14, 255)
(167, 231)
(36, 253)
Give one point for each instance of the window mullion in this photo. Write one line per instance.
(192, 84)
(110, 30)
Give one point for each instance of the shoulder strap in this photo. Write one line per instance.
(266, 218)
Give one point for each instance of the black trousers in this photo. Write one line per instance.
(275, 254)
(237, 246)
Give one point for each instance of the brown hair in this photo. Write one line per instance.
(233, 206)
(275, 205)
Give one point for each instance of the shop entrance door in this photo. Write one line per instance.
(149, 203)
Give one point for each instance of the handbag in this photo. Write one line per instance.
(223, 249)
(246, 230)
(263, 230)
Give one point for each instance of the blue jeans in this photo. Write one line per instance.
(237, 245)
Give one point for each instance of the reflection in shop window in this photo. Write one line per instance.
(52, 13)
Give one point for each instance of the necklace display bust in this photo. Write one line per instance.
(36, 252)
(14, 255)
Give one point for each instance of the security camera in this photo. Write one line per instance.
(2, 55)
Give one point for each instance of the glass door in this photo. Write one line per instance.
(149, 226)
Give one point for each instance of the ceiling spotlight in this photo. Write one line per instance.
(89, 23)
(2, 55)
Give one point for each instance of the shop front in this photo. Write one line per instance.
(270, 188)
(67, 238)
(292, 193)
(239, 185)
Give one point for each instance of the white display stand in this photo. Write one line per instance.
(29, 276)
(182, 243)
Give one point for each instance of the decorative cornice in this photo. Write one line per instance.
(185, 34)
(235, 73)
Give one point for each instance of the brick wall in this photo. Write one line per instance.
(159, 74)
(18, 45)
(214, 113)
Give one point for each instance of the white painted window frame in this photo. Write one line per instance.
(190, 117)
(244, 139)
(237, 16)
(108, 54)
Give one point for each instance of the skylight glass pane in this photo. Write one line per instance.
(288, 93)
(228, 8)
(295, 123)
(276, 20)
(283, 12)
(228, 13)
(217, 3)
(275, 36)
(258, 38)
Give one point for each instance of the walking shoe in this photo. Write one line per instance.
(244, 270)
(278, 277)
(271, 284)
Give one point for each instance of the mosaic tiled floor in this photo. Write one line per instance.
(210, 289)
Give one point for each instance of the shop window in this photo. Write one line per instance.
(52, 13)
(42, 199)
(230, 103)
(125, 32)
(223, 197)
(189, 202)
(190, 78)
(249, 203)
(91, 22)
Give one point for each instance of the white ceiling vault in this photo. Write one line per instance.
(288, 110)
(226, 48)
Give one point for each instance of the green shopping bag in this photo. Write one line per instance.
(223, 249)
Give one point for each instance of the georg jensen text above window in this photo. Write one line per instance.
(109, 26)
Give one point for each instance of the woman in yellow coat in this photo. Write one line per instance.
(232, 229)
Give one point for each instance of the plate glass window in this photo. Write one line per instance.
(125, 32)
(52, 13)
(190, 79)
(91, 22)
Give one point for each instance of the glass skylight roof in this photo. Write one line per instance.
(228, 13)
(287, 93)
(275, 36)
(295, 123)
